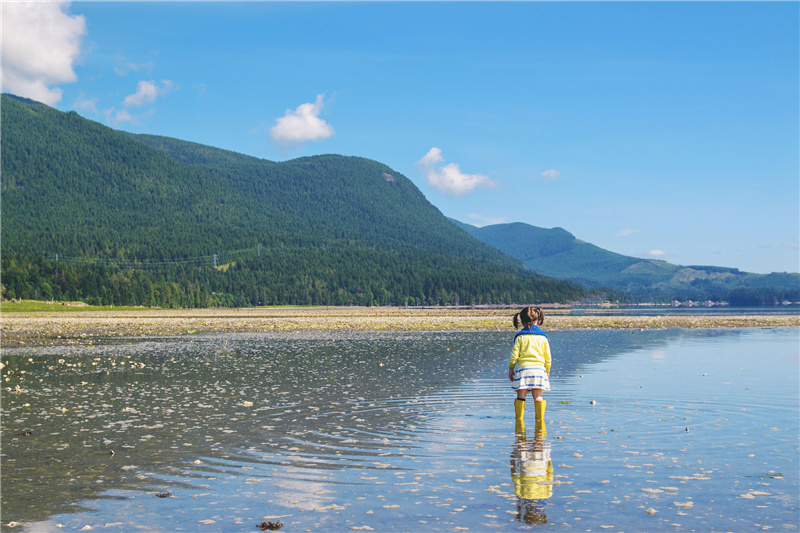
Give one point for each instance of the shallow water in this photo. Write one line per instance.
(695, 311)
(690, 430)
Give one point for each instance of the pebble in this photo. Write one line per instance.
(50, 328)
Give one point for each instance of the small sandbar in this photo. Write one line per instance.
(55, 328)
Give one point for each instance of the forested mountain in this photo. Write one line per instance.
(91, 213)
(556, 252)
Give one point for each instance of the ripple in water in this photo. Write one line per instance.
(382, 431)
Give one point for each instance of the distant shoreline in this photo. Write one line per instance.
(88, 327)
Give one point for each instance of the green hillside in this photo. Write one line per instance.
(556, 252)
(97, 214)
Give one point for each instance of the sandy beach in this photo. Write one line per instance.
(40, 329)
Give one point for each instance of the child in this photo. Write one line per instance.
(529, 365)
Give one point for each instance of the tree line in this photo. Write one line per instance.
(351, 276)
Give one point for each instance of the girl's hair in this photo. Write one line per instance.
(527, 317)
(540, 314)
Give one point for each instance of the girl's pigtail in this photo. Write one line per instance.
(516, 321)
(540, 312)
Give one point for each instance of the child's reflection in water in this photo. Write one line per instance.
(531, 474)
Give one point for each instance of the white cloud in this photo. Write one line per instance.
(626, 232)
(657, 253)
(448, 178)
(41, 41)
(123, 67)
(792, 245)
(118, 116)
(301, 125)
(122, 115)
(481, 220)
(147, 92)
(84, 104)
(550, 175)
(433, 157)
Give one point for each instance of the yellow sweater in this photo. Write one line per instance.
(530, 350)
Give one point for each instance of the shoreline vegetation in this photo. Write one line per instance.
(89, 326)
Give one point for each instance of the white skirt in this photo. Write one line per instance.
(530, 377)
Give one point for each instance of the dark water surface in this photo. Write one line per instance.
(691, 430)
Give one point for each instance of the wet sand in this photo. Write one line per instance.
(44, 329)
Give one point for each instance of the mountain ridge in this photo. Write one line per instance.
(558, 253)
(317, 226)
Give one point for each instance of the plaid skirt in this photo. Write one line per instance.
(530, 377)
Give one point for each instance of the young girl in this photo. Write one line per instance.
(529, 365)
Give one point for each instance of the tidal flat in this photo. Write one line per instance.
(663, 429)
(87, 327)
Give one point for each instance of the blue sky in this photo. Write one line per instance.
(657, 130)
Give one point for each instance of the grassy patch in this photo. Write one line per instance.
(33, 306)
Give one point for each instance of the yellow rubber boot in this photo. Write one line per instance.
(519, 408)
(519, 429)
(539, 407)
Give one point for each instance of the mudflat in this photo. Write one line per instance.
(86, 327)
